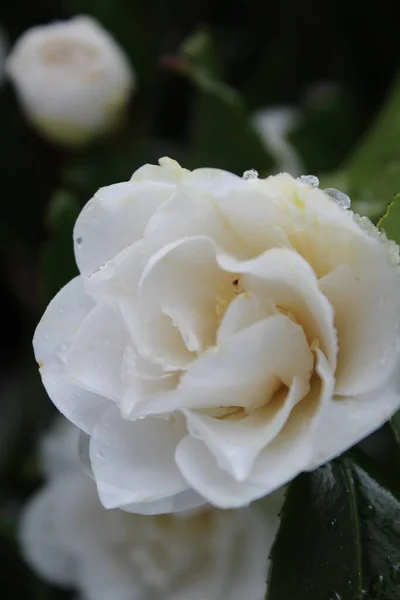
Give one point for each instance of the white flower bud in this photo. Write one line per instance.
(72, 79)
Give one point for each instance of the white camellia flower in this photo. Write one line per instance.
(70, 539)
(72, 79)
(224, 334)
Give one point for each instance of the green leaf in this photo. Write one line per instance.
(222, 133)
(58, 263)
(390, 222)
(395, 424)
(373, 171)
(339, 537)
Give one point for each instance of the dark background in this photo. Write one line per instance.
(271, 52)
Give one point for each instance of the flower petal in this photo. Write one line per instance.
(40, 537)
(141, 380)
(291, 452)
(244, 310)
(347, 420)
(248, 570)
(200, 469)
(365, 297)
(167, 171)
(183, 280)
(60, 322)
(117, 284)
(114, 219)
(192, 211)
(317, 228)
(133, 461)
(183, 501)
(245, 370)
(237, 443)
(287, 280)
(95, 356)
(81, 407)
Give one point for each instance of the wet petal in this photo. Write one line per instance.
(133, 461)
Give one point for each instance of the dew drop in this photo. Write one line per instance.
(367, 511)
(79, 240)
(100, 454)
(61, 352)
(310, 180)
(377, 586)
(332, 524)
(250, 174)
(339, 197)
(99, 268)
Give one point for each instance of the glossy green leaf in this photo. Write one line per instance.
(222, 134)
(390, 222)
(58, 256)
(372, 172)
(395, 423)
(339, 537)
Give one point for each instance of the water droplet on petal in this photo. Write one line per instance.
(79, 240)
(61, 352)
(99, 268)
(310, 180)
(339, 197)
(99, 454)
(250, 174)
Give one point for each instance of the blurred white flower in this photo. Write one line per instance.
(72, 79)
(274, 124)
(224, 335)
(70, 539)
